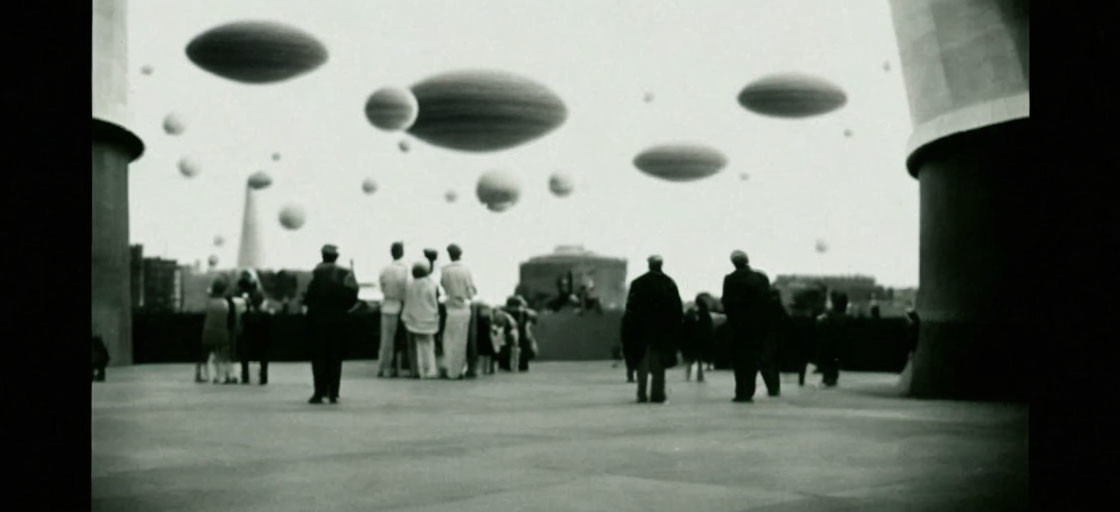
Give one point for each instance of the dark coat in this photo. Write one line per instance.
(699, 335)
(653, 318)
(332, 292)
(746, 303)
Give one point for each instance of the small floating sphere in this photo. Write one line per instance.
(484, 110)
(648, 97)
(886, 65)
(404, 146)
(792, 95)
(212, 260)
(560, 184)
(188, 167)
(292, 217)
(276, 157)
(821, 246)
(146, 69)
(451, 196)
(259, 180)
(256, 52)
(498, 190)
(219, 240)
(174, 124)
(392, 109)
(369, 186)
(744, 176)
(680, 161)
(848, 132)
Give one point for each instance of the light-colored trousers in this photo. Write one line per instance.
(425, 350)
(389, 323)
(455, 331)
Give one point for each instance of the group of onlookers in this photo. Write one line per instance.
(235, 326)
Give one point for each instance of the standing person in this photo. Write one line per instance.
(219, 330)
(503, 340)
(654, 311)
(421, 319)
(255, 337)
(525, 348)
(776, 342)
(698, 337)
(745, 300)
(99, 358)
(631, 351)
(832, 329)
(459, 286)
(393, 279)
(248, 286)
(332, 292)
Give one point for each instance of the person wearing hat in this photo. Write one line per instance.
(332, 293)
(654, 315)
(421, 319)
(459, 286)
(745, 300)
(393, 279)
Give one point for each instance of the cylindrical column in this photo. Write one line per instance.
(113, 148)
(967, 74)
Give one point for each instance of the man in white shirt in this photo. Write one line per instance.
(459, 287)
(393, 279)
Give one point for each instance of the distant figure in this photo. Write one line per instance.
(655, 312)
(393, 279)
(488, 345)
(525, 349)
(248, 290)
(432, 255)
(832, 330)
(99, 358)
(564, 294)
(332, 293)
(776, 342)
(745, 293)
(421, 318)
(588, 297)
(459, 286)
(503, 339)
(255, 337)
(630, 348)
(913, 325)
(219, 330)
(873, 310)
(699, 336)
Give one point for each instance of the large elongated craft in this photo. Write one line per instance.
(680, 161)
(484, 110)
(256, 52)
(792, 95)
(498, 190)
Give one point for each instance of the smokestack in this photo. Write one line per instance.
(250, 253)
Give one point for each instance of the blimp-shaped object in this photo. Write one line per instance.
(292, 216)
(451, 196)
(189, 167)
(259, 180)
(174, 123)
(560, 184)
(484, 110)
(498, 190)
(391, 108)
(256, 52)
(792, 95)
(219, 240)
(680, 161)
(369, 186)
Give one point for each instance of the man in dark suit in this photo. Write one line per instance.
(653, 321)
(332, 293)
(745, 301)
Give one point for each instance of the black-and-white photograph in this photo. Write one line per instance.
(618, 255)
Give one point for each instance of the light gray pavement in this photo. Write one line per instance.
(566, 436)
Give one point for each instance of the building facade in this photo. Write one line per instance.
(540, 277)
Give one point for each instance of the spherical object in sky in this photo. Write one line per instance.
(276, 157)
(744, 176)
(174, 124)
(292, 216)
(886, 65)
(680, 161)
(146, 69)
(821, 246)
(404, 146)
(484, 110)
(212, 260)
(451, 196)
(219, 240)
(560, 184)
(792, 95)
(392, 109)
(189, 167)
(498, 190)
(369, 186)
(648, 97)
(256, 51)
(259, 180)
(847, 132)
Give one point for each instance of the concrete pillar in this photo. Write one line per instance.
(250, 251)
(114, 147)
(967, 74)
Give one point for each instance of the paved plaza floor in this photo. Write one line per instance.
(565, 436)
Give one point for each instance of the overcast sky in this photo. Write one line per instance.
(807, 181)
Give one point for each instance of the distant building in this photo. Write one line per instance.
(808, 294)
(155, 283)
(283, 289)
(540, 275)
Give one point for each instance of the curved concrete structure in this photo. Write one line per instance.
(113, 148)
(967, 74)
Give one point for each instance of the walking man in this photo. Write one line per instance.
(332, 292)
(459, 286)
(653, 316)
(393, 279)
(745, 301)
